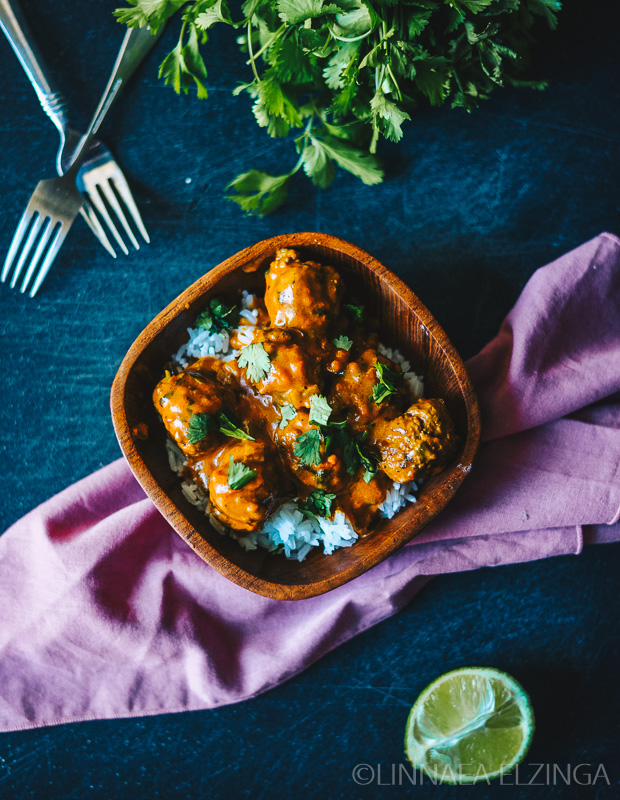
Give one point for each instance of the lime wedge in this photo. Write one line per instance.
(472, 724)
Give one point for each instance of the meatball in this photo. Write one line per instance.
(245, 508)
(196, 390)
(294, 373)
(302, 295)
(417, 444)
(352, 392)
(329, 474)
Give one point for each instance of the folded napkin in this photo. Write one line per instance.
(105, 612)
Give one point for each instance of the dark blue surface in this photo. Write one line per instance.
(473, 204)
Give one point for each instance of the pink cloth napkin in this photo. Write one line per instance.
(105, 612)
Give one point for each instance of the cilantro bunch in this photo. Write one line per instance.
(337, 75)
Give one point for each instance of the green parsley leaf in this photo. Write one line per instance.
(256, 361)
(217, 317)
(153, 13)
(200, 425)
(343, 342)
(318, 503)
(390, 116)
(239, 475)
(320, 410)
(258, 192)
(307, 448)
(288, 413)
(355, 312)
(230, 426)
(388, 379)
(317, 165)
(362, 165)
(216, 13)
(368, 460)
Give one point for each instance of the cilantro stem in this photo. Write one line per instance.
(250, 51)
(266, 46)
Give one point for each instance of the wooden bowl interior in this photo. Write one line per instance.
(404, 323)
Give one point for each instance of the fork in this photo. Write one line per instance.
(56, 202)
(99, 171)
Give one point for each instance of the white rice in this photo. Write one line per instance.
(288, 530)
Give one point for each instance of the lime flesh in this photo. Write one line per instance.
(472, 724)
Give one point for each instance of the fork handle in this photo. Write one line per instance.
(136, 44)
(16, 31)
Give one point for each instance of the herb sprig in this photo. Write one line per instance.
(202, 424)
(217, 317)
(387, 384)
(256, 361)
(338, 75)
(318, 504)
(238, 474)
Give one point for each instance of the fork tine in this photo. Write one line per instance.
(49, 258)
(43, 242)
(122, 187)
(96, 200)
(111, 198)
(92, 220)
(16, 243)
(34, 232)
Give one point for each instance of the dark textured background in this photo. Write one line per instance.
(473, 204)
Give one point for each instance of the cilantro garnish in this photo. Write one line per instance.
(343, 342)
(199, 426)
(355, 312)
(217, 317)
(256, 361)
(356, 455)
(340, 74)
(318, 503)
(238, 474)
(320, 410)
(287, 413)
(307, 448)
(388, 379)
(230, 426)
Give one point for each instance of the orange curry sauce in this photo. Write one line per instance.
(368, 431)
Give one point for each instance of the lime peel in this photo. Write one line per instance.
(469, 725)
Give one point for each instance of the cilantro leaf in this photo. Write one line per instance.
(153, 13)
(230, 426)
(200, 425)
(256, 361)
(258, 192)
(185, 66)
(216, 13)
(388, 379)
(288, 413)
(320, 410)
(363, 165)
(343, 342)
(217, 317)
(390, 116)
(355, 312)
(318, 503)
(307, 448)
(317, 165)
(239, 475)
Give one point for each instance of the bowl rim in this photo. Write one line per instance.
(175, 516)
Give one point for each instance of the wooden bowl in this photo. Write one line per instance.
(404, 323)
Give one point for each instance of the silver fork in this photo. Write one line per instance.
(56, 202)
(99, 171)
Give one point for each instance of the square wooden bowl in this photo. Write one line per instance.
(405, 323)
